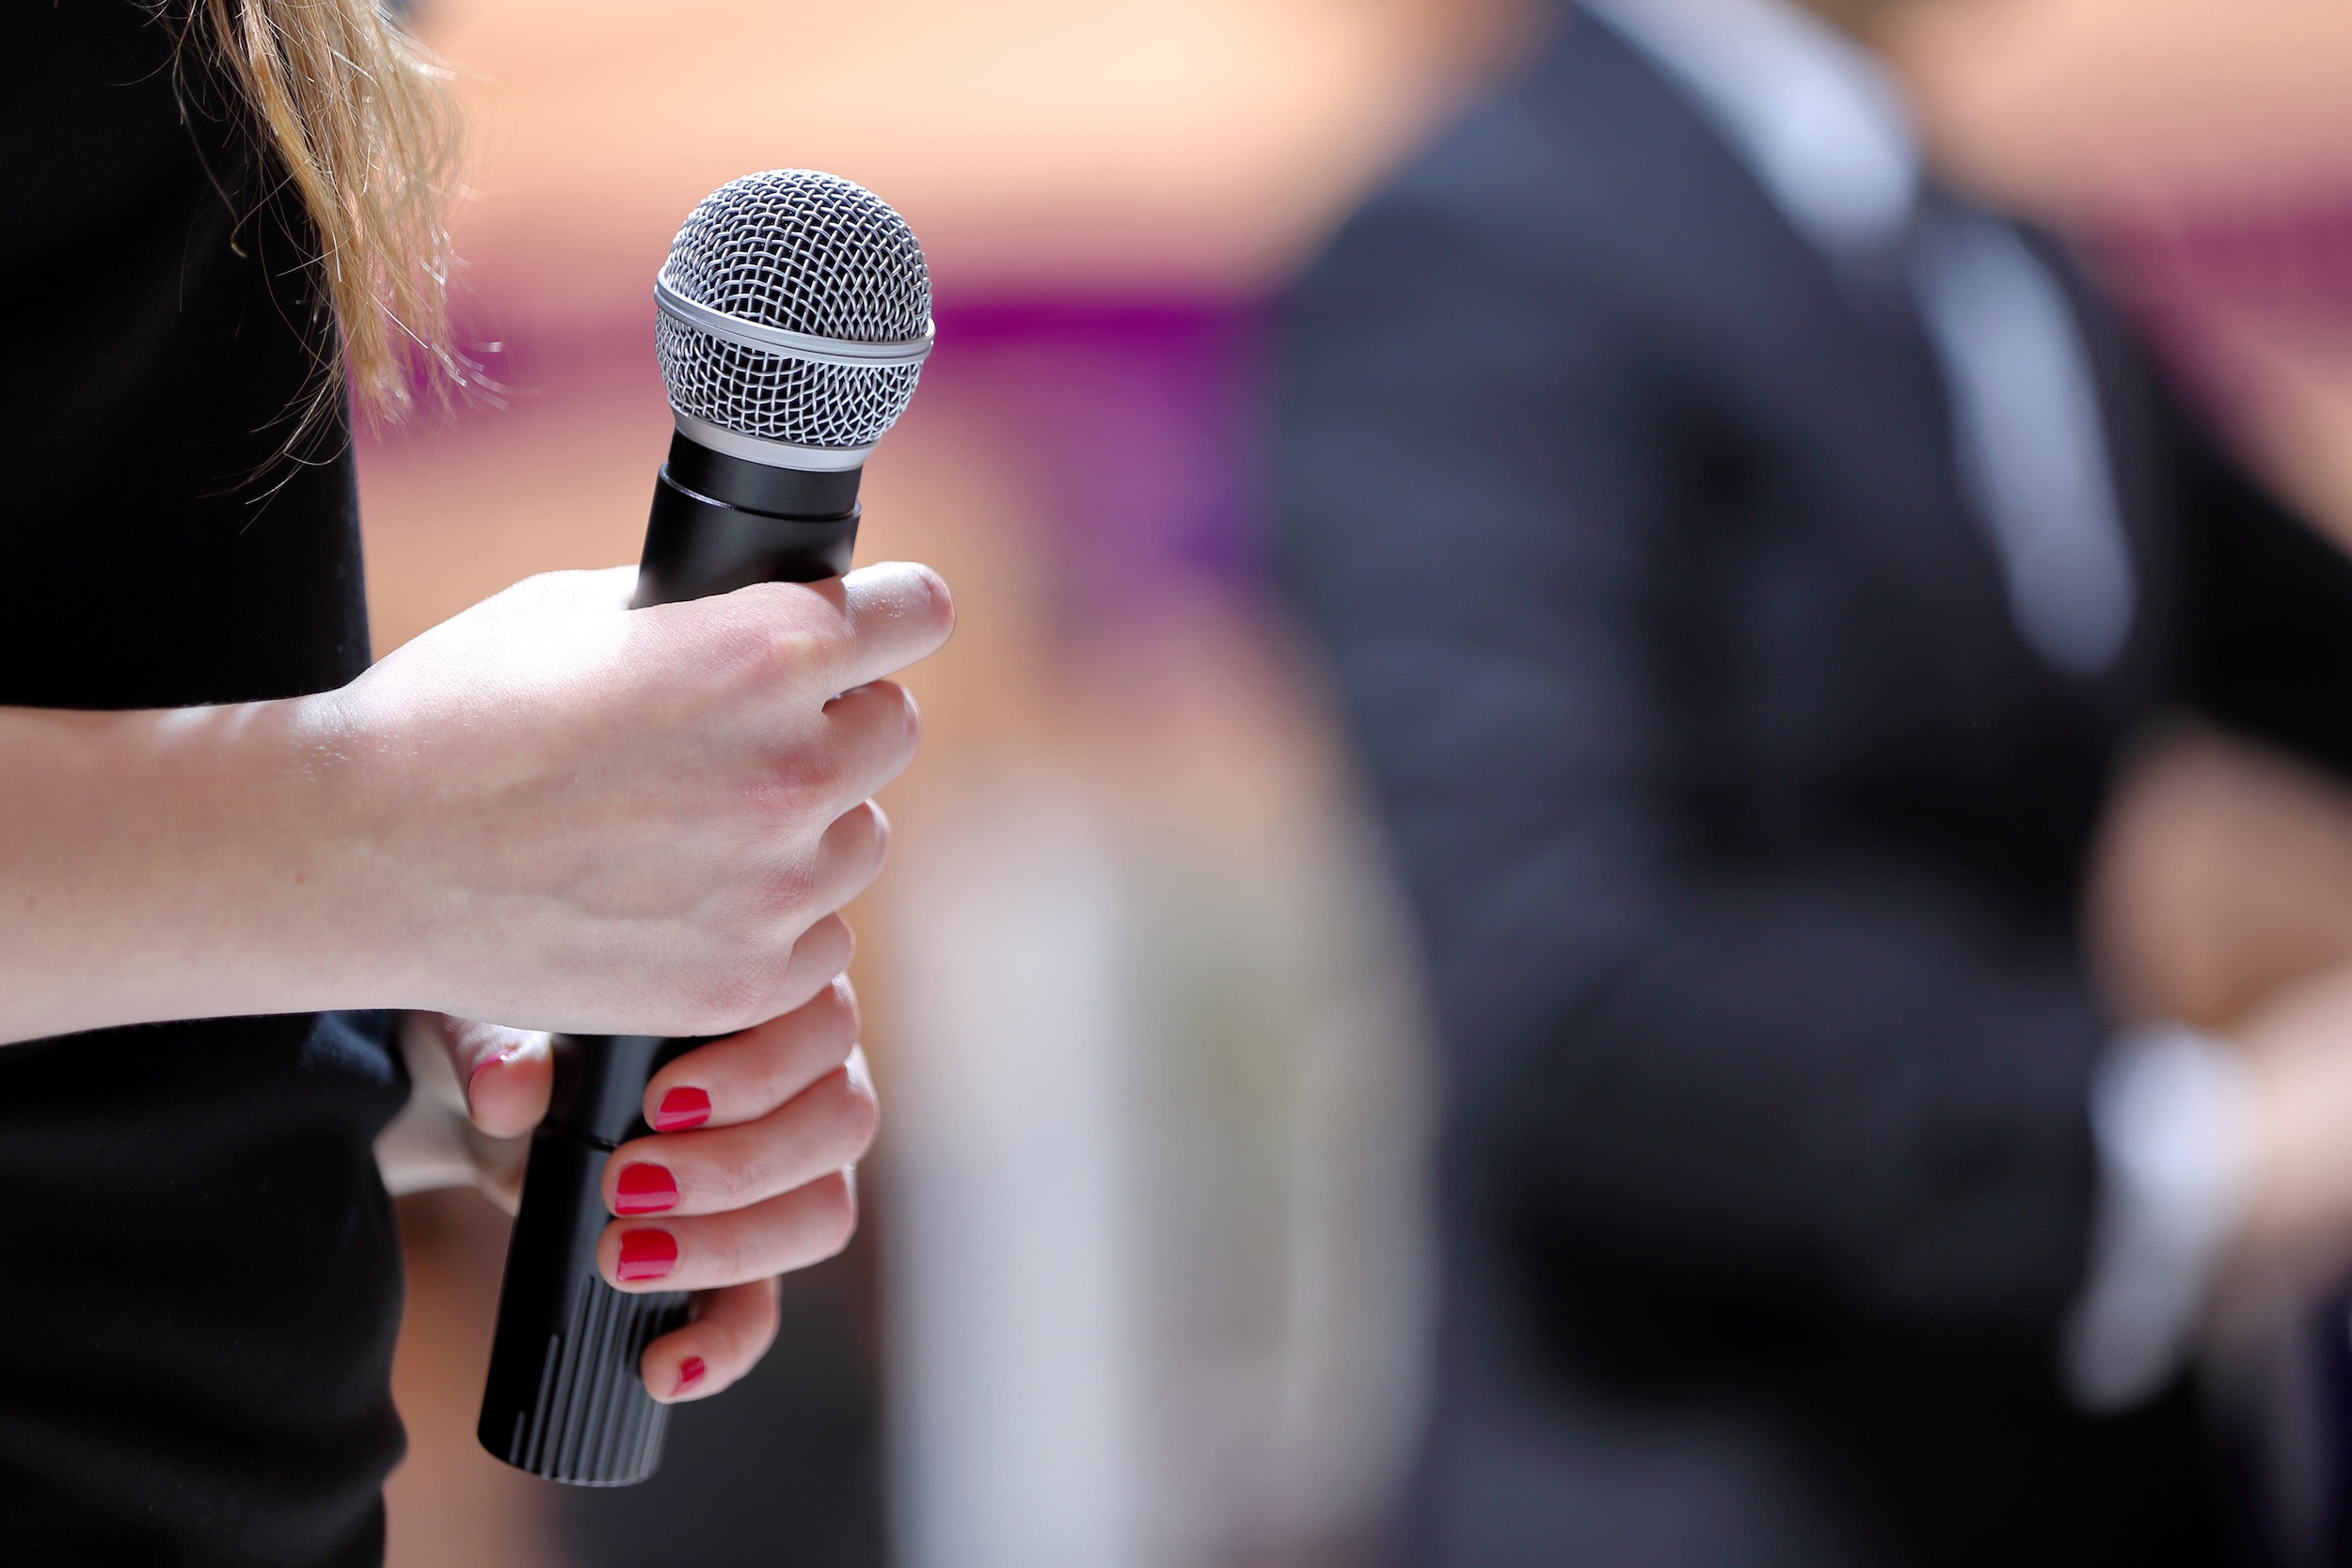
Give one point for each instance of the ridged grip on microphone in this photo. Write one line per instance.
(587, 1419)
(807, 252)
(563, 1398)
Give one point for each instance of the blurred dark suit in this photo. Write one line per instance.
(1746, 837)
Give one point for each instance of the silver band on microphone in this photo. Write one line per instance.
(791, 345)
(775, 454)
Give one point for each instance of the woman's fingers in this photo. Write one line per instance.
(758, 1181)
(796, 640)
(894, 613)
(769, 991)
(731, 1331)
(873, 731)
(804, 1227)
(824, 1127)
(506, 1073)
(743, 1077)
(843, 864)
(822, 952)
(848, 857)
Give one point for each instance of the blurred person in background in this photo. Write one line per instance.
(550, 810)
(1744, 563)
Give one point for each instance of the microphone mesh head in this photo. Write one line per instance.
(807, 252)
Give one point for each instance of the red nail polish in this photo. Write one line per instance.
(680, 1109)
(648, 1255)
(689, 1371)
(644, 1190)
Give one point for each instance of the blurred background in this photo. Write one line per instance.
(1141, 1281)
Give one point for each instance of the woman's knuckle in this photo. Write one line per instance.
(859, 1128)
(879, 715)
(775, 815)
(826, 948)
(800, 773)
(740, 643)
(732, 996)
(875, 828)
(767, 644)
(836, 1033)
(835, 1220)
(859, 1113)
(852, 837)
(797, 922)
(776, 810)
(835, 1132)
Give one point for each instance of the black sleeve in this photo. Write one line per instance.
(2269, 633)
(1851, 1086)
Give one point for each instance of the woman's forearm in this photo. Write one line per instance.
(550, 812)
(187, 862)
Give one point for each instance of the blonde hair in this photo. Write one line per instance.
(363, 125)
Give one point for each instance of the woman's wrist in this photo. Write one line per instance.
(549, 811)
(183, 862)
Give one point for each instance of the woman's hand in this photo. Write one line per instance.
(550, 810)
(747, 1175)
(612, 821)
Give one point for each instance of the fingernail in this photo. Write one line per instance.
(644, 1190)
(680, 1109)
(646, 1255)
(500, 1059)
(689, 1371)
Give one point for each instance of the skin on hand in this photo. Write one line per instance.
(756, 1181)
(550, 810)
(626, 825)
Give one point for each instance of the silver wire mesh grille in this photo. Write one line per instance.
(807, 252)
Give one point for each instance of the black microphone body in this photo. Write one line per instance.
(720, 523)
(563, 1399)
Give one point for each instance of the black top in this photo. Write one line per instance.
(203, 1285)
(1746, 836)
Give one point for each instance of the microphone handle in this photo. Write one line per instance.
(563, 1399)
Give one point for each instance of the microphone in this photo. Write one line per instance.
(794, 317)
